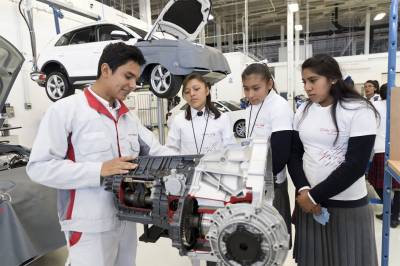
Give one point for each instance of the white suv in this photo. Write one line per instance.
(71, 58)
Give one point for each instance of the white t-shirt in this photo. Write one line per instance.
(275, 115)
(218, 135)
(317, 133)
(379, 146)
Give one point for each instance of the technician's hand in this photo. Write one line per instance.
(306, 204)
(117, 166)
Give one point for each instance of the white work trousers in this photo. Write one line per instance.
(110, 248)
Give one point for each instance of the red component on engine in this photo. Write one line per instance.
(209, 211)
(247, 198)
(172, 206)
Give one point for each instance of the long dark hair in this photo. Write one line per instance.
(327, 66)
(259, 69)
(209, 105)
(383, 91)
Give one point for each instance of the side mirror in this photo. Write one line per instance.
(119, 35)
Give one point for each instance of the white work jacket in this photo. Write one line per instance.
(76, 135)
(217, 135)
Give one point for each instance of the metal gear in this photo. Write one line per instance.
(244, 235)
(243, 246)
(189, 222)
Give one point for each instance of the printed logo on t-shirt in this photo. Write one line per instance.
(210, 147)
(260, 125)
(333, 157)
(328, 131)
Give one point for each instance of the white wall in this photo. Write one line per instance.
(230, 88)
(14, 29)
(361, 68)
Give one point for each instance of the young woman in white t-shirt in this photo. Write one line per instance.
(201, 128)
(269, 116)
(334, 133)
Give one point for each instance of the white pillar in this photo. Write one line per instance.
(367, 31)
(282, 35)
(297, 40)
(219, 33)
(230, 40)
(160, 120)
(290, 61)
(296, 75)
(145, 11)
(202, 37)
(246, 26)
(307, 30)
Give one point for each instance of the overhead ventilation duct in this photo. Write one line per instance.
(342, 29)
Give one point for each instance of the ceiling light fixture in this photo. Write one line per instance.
(379, 16)
(298, 27)
(294, 7)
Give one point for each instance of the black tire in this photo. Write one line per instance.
(240, 128)
(57, 86)
(162, 83)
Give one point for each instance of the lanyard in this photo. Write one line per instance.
(204, 133)
(249, 133)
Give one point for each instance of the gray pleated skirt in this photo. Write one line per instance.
(348, 239)
(282, 204)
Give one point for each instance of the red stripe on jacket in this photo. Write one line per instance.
(70, 156)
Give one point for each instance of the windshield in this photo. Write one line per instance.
(233, 106)
(140, 32)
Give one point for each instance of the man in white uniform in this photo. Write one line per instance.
(82, 139)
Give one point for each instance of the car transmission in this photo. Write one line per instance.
(216, 207)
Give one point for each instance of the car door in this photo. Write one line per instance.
(77, 56)
(11, 61)
(103, 38)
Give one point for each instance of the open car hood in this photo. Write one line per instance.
(183, 19)
(11, 61)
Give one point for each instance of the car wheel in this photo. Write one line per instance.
(240, 128)
(57, 86)
(164, 84)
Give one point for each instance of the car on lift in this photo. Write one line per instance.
(70, 59)
(236, 115)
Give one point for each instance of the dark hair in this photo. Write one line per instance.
(375, 83)
(117, 54)
(209, 105)
(327, 66)
(259, 69)
(383, 91)
(349, 81)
